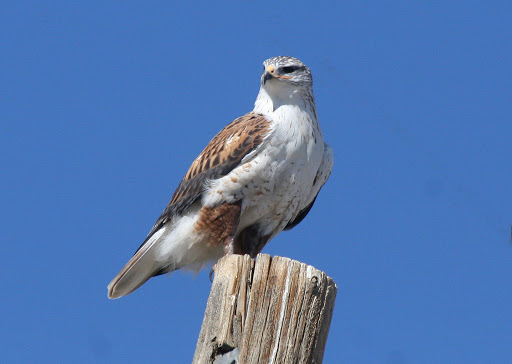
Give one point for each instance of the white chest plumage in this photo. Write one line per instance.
(277, 182)
(293, 155)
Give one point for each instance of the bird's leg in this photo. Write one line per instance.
(250, 241)
(228, 249)
(229, 245)
(220, 223)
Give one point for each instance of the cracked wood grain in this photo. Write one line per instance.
(268, 310)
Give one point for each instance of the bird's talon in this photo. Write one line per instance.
(212, 272)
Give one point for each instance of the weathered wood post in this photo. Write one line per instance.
(272, 310)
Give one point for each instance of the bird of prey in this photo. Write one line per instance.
(258, 176)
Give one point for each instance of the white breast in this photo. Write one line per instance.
(275, 183)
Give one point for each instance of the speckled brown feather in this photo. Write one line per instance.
(218, 224)
(219, 158)
(246, 133)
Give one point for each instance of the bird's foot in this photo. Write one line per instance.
(212, 272)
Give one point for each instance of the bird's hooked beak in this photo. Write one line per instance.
(270, 73)
(267, 74)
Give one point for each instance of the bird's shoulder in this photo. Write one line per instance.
(232, 143)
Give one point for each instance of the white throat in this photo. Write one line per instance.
(271, 101)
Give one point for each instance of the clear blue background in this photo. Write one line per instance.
(105, 104)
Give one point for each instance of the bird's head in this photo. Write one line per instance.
(282, 71)
(285, 81)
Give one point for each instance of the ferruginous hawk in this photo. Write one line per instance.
(258, 176)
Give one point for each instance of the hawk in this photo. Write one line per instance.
(258, 176)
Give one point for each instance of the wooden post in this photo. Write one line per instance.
(272, 310)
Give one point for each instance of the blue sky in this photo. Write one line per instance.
(105, 105)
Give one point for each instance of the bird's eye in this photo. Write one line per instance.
(290, 69)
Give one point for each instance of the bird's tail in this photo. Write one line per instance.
(139, 268)
(173, 246)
